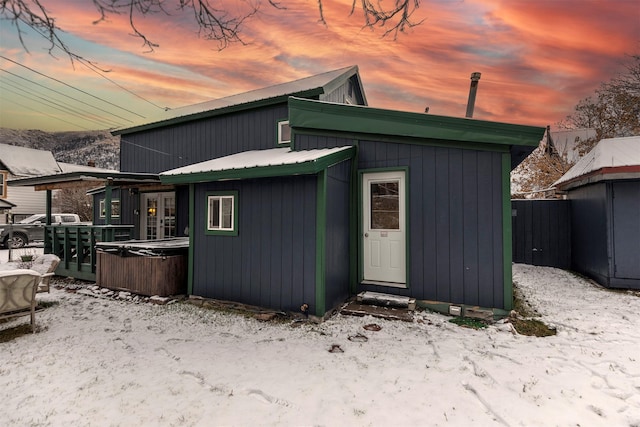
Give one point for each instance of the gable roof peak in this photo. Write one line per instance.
(316, 85)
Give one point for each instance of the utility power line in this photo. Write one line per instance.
(73, 87)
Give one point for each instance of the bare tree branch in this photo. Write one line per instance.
(216, 23)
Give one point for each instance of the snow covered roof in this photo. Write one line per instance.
(69, 167)
(22, 161)
(566, 141)
(314, 85)
(613, 158)
(258, 163)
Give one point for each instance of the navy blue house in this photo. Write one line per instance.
(302, 194)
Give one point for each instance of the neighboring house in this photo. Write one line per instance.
(20, 162)
(300, 194)
(566, 142)
(604, 189)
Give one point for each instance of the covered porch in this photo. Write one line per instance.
(76, 244)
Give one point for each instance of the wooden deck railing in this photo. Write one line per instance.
(76, 246)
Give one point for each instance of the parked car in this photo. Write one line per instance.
(31, 228)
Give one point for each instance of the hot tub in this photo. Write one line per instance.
(145, 267)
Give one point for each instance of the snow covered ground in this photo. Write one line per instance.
(104, 362)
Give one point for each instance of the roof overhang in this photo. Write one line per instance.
(259, 164)
(519, 140)
(83, 179)
(603, 174)
(5, 204)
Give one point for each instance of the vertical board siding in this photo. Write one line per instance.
(271, 262)
(625, 224)
(158, 150)
(542, 232)
(455, 218)
(337, 235)
(589, 245)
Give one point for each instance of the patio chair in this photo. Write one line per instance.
(18, 294)
(45, 265)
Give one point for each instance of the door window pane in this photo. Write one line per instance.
(385, 206)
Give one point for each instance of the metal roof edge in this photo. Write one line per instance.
(304, 113)
(287, 169)
(82, 176)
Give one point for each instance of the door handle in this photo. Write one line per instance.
(366, 234)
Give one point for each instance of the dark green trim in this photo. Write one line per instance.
(373, 121)
(321, 246)
(47, 239)
(192, 231)
(354, 243)
(360, 227)
(506, 232)
(233, 232)
(108, 192)
(303, 168)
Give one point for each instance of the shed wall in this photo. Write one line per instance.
(589, 237)
(625, 226)
(271, 262)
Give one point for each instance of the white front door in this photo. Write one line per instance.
(157, 215)
(384, 228)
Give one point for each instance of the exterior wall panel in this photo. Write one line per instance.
(271, 262)
(589, 254)
(455, 218)
(158, 150)
(338, 235)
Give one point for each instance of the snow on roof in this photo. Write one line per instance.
(608, 154)
(69, 167)
(566, 141)
(255, 159)
(317, 82)
(22, 161)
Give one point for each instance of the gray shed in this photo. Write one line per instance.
(604, 189)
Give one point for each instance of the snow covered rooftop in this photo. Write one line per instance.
(69, 167)
(22, 161)
(612, 158)
(241, 164)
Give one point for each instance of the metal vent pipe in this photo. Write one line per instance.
(475, 77)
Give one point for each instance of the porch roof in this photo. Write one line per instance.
(84, 178)
(259, 164)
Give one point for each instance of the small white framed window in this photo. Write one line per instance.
(115, 208)
(284, 132)
(222, 215)
(3, 184)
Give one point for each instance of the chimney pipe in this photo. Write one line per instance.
(475, 77)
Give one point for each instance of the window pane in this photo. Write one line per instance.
(385, 205)
(285, 132)
(214, 212)
(227, 213)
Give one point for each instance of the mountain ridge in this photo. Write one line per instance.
(75, 147)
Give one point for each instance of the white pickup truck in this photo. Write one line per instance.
(32, 228)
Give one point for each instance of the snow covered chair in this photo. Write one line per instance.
(18, 294)
(45, 265)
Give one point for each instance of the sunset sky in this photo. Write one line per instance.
(538, 58)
